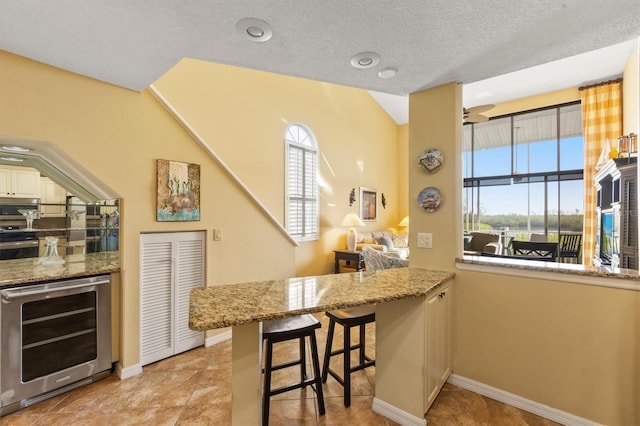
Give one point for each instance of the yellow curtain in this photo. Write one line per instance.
(601, 124)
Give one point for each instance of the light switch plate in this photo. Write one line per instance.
(425, 240)
(217, 234)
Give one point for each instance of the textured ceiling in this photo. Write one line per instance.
(132, 43)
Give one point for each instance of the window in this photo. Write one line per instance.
(523, 173)
(302, 183)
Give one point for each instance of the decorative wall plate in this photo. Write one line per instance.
(429, 199)
(430, 160)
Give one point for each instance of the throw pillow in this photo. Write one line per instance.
(401, 240)
(369, 241)
(386, 241)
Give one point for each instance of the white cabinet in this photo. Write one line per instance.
(438, 341)
(19, 182)
(171, 264)
(53, 199)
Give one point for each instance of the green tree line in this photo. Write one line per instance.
(568, 223)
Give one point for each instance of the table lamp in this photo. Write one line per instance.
(352, 220)
(404, 223)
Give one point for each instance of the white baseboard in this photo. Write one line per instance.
(528, 405)
(125, 373)
(393, 413)
(218, 338)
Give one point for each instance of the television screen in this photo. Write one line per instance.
(609, 236)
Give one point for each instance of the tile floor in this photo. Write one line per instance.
(193, 388)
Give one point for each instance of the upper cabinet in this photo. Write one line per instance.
(53, 199)
(19, 182)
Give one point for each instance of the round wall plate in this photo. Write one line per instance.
(431, 159)
(429, 199)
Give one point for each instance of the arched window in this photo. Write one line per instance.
(302, 183)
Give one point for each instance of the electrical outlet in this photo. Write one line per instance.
(425, 240)
(217, 234)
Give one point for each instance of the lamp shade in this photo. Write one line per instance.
(404, 222)
(351, 220)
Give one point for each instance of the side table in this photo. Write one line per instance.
(350, 258)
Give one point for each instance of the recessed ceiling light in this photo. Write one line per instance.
(365, 60)
(14, 159)
(15, 148)
(254, 29)
(387, 73)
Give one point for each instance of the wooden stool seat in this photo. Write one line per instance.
(348, 318)
(282, 330)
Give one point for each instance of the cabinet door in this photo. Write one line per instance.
(433, 350)
(171, 264)
(52, 199)
(25, 183)
(156, 281)
(446, 310)
(189, 267)
(5, 182)
(438, 352)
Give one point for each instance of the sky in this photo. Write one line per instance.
(530, 158)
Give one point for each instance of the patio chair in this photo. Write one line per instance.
(570, 246)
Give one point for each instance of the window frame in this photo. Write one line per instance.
(312, 148)
(474, 183)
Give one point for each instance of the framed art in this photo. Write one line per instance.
(178, 194)
(368, 204)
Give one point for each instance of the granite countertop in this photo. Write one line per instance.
(20, 271)
(563, 268)
(236, 304)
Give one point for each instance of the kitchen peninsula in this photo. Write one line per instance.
(413, 307)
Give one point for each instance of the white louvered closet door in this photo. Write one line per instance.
(171, 264)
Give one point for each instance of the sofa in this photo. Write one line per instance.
(476, 243)
(396, 245)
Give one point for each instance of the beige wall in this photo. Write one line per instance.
(540, 101)
(118, 135)
(404, 164)
(435, 121)
(631, 94)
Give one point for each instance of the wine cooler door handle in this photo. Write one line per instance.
(12, 294)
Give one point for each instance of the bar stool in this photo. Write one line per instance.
(282, 330)
(348, 318)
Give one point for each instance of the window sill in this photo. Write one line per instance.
(581, 274)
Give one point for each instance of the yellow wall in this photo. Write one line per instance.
(119, 134)
(243, 115)
(570, 346)
(404, 164)
(533, 102)
(435, 121)
(631, 94)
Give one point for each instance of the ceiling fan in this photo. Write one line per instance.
(472, 115)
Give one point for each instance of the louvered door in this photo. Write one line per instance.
(171, 264)
(629, 219)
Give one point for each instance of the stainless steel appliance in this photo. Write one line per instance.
(17, 244)
(9, 207)
(54, 337)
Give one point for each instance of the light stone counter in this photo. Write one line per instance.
(236, 304)
(400, 296)
(20, 271)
